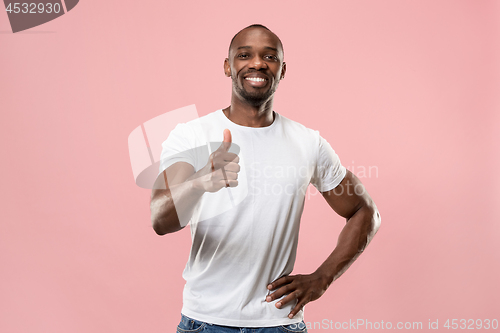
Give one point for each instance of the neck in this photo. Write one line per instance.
(248, 115)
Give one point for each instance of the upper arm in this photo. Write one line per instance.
(348, 197)
(177, 158)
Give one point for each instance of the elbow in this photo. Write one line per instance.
(164, 217)
(164, 226)
(158, 220)
(155, 221)
(376, 219)
(158, 228)
(370, 216)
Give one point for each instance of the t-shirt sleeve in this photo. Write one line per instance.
(178, 147)
(329, 172)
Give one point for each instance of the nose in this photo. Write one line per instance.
(257, 63)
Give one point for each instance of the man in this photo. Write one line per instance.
(243, 251)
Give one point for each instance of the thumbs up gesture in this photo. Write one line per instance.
(222, 167)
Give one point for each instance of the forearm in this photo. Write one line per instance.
(355, 236)
(172, 209)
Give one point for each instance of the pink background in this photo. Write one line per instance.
(410, 88)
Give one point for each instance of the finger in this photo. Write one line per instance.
(226, 143)
(221, 174)
(227, 136)
(278, 293)
(281, 281)
(296, 309)
(222, 160)
(231, 175)
(232, 183)
(225, 177)
(289, 298)
(230, 157)
(232, 167)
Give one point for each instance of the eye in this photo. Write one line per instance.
(242, 56)
(271, 57)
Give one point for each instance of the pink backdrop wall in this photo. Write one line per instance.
(408, 88)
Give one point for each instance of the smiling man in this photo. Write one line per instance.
(239, 270)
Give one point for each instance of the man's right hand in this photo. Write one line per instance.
(222, 168)
(172, 206)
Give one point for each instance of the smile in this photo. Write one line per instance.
(255, 79)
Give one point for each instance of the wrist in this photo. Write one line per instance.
(326, 275)
(197, 180)
(197, 185)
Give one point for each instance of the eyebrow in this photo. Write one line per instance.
(266, 47)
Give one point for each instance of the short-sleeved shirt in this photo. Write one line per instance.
(245, 237)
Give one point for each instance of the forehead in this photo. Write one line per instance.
(256, 38)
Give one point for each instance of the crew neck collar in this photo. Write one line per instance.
(248, 128)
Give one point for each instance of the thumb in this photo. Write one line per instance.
(227, 140)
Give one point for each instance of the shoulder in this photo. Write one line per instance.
(210, 117)
(308, 137)
(195, 123)
(298, 128)
(194, 127)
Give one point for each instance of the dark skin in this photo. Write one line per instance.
(180, 181)
(255, 53)
(255, 65)
(351, 201)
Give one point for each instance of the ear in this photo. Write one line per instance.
(283, 71)
(227, 68)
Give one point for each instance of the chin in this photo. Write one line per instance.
(255, 99)
(255, 102)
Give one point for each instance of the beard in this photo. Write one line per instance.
(255, 98)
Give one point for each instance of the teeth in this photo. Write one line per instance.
(255, 79)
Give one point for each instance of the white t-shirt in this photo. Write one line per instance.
(245, 237)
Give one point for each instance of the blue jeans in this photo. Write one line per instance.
(189, 325)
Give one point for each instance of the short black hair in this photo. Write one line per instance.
(254, 26)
